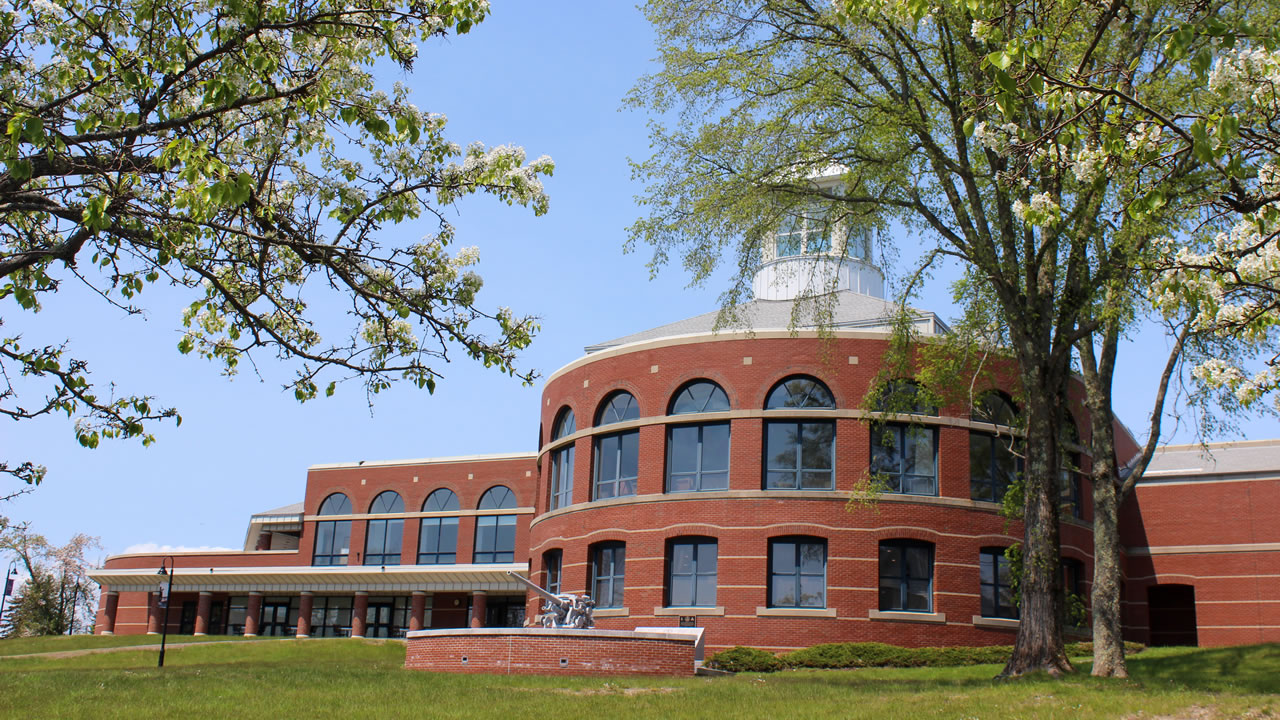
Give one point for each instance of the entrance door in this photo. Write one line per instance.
(1172, 610)
(275, 619)
(378, 620)
(187, 621)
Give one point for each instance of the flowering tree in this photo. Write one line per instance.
(1217, 284)
(57, 597)
(925, 106)
(242, 150)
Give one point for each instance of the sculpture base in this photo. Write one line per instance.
(558, 651)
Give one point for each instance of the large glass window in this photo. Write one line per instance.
(804, 229)
(994, 463)
(383, 538)
(698, 455)
(996, 580)
(798, 572)
(552, 561)
(1069, 477)
(438, 536)
(799, 455)
(333, 537)
(608, 568)
(496, 534)
(904, 456)
(562, 462)
(691, 572)
(617, 463)
(331, 616)
(906, 575)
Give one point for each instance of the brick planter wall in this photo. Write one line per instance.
(539, 651)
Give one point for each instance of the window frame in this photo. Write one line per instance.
(426, 530)
(619, 485)
(901, 430)
(696, 476)
(995, 557)
(382, 529)
(704, 551)
(616, 551)
(488, 527)
(553, 570)
(560, 490)
(331, 530)
(797, 575)
(904, 578)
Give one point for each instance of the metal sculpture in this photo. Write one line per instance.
(562, 610)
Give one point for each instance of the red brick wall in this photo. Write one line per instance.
(743, 525)
(535, 652)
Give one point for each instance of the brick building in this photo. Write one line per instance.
(689, 476)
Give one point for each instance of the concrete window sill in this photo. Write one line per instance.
(994, 623)
(915, 617)
(669, 611)
(795, 612)
(611, 612)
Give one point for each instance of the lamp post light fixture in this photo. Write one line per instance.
(165, 594)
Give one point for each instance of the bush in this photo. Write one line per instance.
(745, 659)
(870, 654)
(873, 654)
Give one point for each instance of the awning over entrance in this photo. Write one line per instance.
(491, 577)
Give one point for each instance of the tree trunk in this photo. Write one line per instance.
(1108, 637)
(1039, 642)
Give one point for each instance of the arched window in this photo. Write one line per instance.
(333, 537)
(804, 229)
(699, 396)
(798, 572)
(698, 454)
(799, 454)
(994, 459)
(995, 578)
(691, 572)
(904, 457)
(799, 391)
(617, 461)
(618, 407)
(562, 461)
(438, 536)
(496, 534)
(906, 576)
(383, 537)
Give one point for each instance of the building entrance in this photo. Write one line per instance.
(379, 622)
(1172, 610)
(275, 618)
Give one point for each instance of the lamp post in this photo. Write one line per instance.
(9, 576)
(165, 593)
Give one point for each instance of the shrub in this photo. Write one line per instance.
(1086, 648)
(870, 654)
(745, 659)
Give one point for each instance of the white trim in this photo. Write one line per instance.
(904, 616)
(717, 611)
(489, 457)
(995, 623)
(795, 612)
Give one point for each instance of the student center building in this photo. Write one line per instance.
(686, 476)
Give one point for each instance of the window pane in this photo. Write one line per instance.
(918, 562)
(715, 447)
(630, 460)
(342, 538)
(681, 590)
(784, 558)
(683, 449)
(448, 535)
(706, 590)
(812, 591)
(783, 594)
(918, 595)
(980, 467)
(817, 445)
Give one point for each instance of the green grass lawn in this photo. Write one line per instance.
(357, 678)
(59, 643)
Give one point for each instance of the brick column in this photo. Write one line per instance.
(153, 613)
(110, 603)
(479, 601)
(203, 607)
(252, 614)
(359, 613)
(417, 615)
(304, 614)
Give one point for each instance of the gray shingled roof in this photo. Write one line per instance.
(853, 311)
(291, 509)
(1256, 458)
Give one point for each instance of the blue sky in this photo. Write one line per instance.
(549, 76)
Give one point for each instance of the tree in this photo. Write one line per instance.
(58, 596)
(1218, 286)
(243, 151)
(923, 106)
